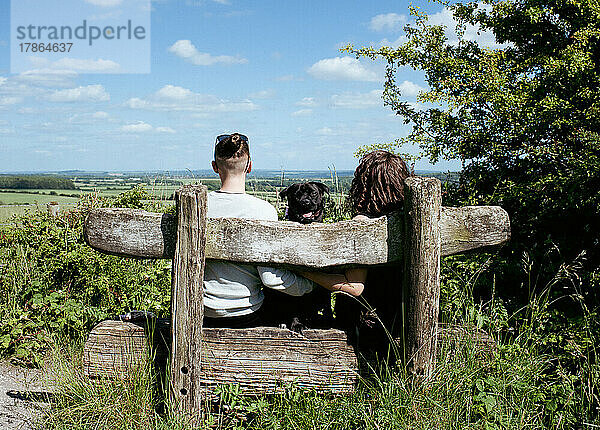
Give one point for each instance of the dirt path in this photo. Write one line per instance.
(17, 387)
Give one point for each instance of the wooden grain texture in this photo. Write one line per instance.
(316, 359)
(473, 228)
(137, 233)
(261, 360)
(114, 349)
(422, 207)
(187, 299)
(266, 359)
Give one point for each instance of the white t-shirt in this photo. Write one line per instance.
(232, 290)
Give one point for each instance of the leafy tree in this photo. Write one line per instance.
(523, 118)
(32, 182)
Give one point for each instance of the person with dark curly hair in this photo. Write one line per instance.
(377, 189)
(378, 185)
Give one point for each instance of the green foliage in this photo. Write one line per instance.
(53, 284)
(523, 119)
(540, 374)
(32, 182)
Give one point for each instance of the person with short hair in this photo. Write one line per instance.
(233, 295)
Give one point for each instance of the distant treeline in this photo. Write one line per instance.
(32, 182)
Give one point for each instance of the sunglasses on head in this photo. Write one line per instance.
(222, 137)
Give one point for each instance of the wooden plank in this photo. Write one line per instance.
(187, 299)
(131, 232)
(422, 203)
(473, 228)
(260, 360)
(266, 359)
(114, 349)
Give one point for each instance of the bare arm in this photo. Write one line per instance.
(351, 282)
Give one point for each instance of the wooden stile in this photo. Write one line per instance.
(261, 359)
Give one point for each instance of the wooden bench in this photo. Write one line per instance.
(261, 359)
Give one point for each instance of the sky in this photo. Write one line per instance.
(269, 69)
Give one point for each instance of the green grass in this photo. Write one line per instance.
(470, 389)
(9, 198)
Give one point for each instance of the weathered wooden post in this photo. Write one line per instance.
(422, 249)
(187, 290)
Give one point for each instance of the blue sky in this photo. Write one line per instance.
(269, 69)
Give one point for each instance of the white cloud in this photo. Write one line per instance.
(139, 127)
(26, 111)
(302, 112)
(472, 33)
(186, 50)
(444, 17)
(394, 44)
(387, 22)
(89, 118)
(325, 131)
(143, 127)
(307, 102)
(342, 68)
(47, 78)
(202, 2)
(410, 89)
(3, 80)
(173, 92)
(164, 130)
(264, 94)
(357, 100)
(76, 65)
(105, 3)
(285, 78)
(90, 93)
(174, 98)
(100, 115)
(7, 101)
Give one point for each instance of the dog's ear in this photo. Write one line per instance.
(284, 193)
(321, 187)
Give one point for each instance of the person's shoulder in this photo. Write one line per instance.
(263, 205)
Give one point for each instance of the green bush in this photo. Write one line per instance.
(53, 284)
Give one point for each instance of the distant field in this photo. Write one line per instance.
(160, 187)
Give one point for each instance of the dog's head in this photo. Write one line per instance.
(305, 201)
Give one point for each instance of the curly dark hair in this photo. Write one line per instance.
(378, 185)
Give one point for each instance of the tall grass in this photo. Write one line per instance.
(519, 384)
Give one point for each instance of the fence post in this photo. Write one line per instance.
(422, 206)
(187, 310)
(53, 209)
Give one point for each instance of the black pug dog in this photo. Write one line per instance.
(305, 201)
(313, 310)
